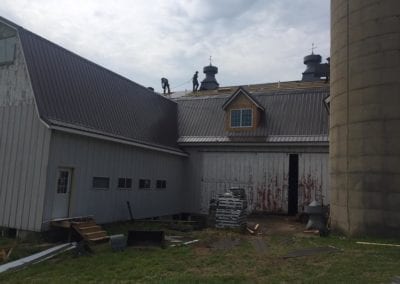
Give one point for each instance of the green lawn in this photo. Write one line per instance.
(209, 262)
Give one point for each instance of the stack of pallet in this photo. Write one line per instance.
(231, 211)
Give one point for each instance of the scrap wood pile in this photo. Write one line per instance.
(231, 209)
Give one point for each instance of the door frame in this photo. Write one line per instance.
(293, 184)
(70, 186)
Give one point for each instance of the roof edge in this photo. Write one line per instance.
(117, 139)
(9, 23)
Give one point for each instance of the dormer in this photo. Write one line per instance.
(242, 111)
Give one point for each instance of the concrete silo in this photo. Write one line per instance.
(365, 117)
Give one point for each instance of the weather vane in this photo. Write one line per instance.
(313, 47)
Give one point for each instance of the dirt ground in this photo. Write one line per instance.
(272, 225)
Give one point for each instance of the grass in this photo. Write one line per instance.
(204, 263)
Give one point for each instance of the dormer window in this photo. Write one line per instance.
(242, 112)
(241, 118)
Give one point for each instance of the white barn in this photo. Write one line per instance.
(77, 139)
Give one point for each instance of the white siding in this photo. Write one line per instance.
(264, 176)
(24, 143)
(89, 157)
(313, 178)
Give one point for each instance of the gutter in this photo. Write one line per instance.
(246, 144)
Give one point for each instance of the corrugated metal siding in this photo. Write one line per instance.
(313, 179)
(264, 176)
(24, 144)
(91, 157)
(297, 113)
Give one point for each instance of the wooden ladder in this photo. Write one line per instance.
(89, 230)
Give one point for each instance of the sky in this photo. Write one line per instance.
(250, 41)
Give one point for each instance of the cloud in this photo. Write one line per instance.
(251, 41)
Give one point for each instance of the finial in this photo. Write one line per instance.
(210, 60)
(312, 48)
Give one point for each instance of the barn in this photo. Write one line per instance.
(270, 139)
(79, 140)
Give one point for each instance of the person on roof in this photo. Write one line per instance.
(165, 85)
(195, 81)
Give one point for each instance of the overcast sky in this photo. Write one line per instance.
(251, 41)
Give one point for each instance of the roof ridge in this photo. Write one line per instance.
(265, 93)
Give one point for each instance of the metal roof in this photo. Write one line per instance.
(290, 116)
(70, 90)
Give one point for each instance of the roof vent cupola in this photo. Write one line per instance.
(315, 69)
(209, 83)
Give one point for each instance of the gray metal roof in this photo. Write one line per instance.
(290, 116)
(74, 92)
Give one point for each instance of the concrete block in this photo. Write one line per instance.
(391, 219)
(392, 128)
(338, 165)
(392, 201)
(392, 146)
(365, 164)
(369, 112)
(366, 129)
(338, 117)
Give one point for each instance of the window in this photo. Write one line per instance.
(161, 183)
(63, 181)
(241, 117)
(124, 183)
(101, 183)
(7, 50)
(144, 183)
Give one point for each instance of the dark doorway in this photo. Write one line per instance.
(293, 184)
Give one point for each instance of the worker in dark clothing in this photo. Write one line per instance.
(195, 81)
(165, 85)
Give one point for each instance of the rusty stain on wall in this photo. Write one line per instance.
(265, 177)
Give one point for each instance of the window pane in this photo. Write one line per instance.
(161, 183)
(128, 183)
(144, 183)
(7, 50)
(101, 182)
(62, 182)
(246, 117)
(121, 182)
(235, 118)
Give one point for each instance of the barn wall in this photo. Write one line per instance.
(24, 144)
(262, 171)
(89, 157)
(313, 179)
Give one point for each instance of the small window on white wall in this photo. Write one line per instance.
(161, 183)
(144, 183)
(124, 183)
(101, 183)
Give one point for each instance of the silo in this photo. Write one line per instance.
(365, 117)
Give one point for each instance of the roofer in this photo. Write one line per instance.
(195, 81)
(165, 85)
